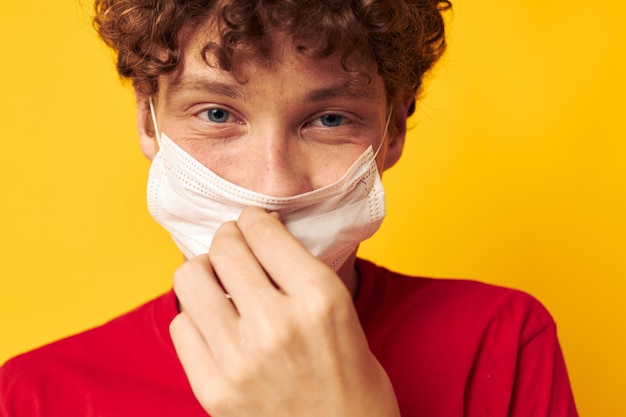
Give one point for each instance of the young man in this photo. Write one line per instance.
(268, 124)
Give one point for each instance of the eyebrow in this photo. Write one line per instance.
(348, 89)
(196, 83)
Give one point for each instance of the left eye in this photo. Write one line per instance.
(217, 115)
(331, 120)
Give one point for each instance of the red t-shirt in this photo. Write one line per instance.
(450, 347)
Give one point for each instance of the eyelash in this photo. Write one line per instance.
(212, 110)
(314, 122)
(318, 120)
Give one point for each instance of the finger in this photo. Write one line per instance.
(195, 356)
(239, 271)
(285, 259)
(203, 300)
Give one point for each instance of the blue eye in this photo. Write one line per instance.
(218, 115)
(331, 120)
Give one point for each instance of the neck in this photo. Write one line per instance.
(349, 274)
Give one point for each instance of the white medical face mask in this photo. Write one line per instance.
(191, 202)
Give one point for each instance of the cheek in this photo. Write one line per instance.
(276, 171)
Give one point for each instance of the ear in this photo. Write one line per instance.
(147, 139)
(395, 144)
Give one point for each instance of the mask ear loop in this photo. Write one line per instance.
(154, 122)
(380, 145)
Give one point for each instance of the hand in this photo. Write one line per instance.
(287, 343)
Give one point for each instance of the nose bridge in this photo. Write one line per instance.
(279, 169)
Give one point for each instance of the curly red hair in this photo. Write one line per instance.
(404, 38)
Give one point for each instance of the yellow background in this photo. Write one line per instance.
(514, 174)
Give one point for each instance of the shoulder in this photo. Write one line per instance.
(457, 347)
(461, 304)
(40, 378)
(148, 320)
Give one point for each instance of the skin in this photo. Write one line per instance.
(288, 342)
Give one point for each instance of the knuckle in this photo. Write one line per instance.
(175, 327)
(185, 274)
(180, 278)
(261, 227)
(219, 400)
(178, 327)
(251, 213)
(278, 339)
(327, 304)
(226, 230)
(269, 338)
(225, 236)
(319, 305)
(262, 230)
(241, 374)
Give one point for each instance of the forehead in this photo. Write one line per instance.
(279, 54)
